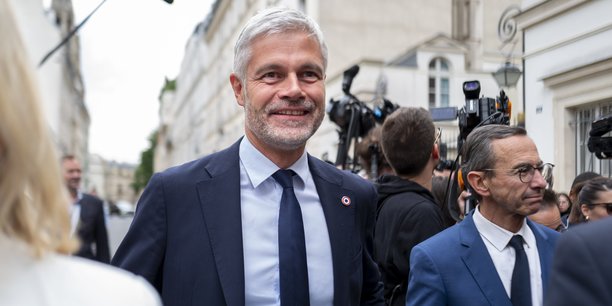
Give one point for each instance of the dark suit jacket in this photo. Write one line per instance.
(454, 267)
(582, 268)
(186, 236)
(91, 230)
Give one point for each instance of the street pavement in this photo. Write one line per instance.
(117, 227)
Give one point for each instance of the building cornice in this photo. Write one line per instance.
(543, 11)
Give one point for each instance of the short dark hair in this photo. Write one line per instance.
(588, 194)
(550, 199)
(478, 153)
(408, 137)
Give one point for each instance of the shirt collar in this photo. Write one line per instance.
(498, 236)
(259, 168)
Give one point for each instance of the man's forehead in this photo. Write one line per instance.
(515, 150)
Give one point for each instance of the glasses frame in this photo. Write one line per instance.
(541, 168)
(438, 136)
(607, 206)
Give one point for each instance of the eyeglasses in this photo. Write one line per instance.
(526, 172)
(438, 135)
(608, 206)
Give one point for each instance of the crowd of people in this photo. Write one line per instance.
(265, 223)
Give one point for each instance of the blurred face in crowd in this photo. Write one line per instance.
(600, 208)
(71, 170)
(563, 203)
(284, 93)
(503, 191)
(548, 216)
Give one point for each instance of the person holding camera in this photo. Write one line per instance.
(495, 256)
(407, 210)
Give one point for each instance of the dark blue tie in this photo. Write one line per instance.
(291, 245)
(520, 290)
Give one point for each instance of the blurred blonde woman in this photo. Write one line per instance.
(34, 224)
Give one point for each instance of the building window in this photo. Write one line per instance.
(585, 160)
(439, 84)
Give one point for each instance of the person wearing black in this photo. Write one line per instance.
(407, 211)
(87, 215)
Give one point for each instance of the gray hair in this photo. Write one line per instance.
(273, 21)
(477, 150)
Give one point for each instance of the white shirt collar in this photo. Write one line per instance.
(498, 236)
(259, 168)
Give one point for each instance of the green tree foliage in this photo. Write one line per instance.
(144, 171)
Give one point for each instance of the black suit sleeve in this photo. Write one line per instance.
(579, 270)
(102, 248)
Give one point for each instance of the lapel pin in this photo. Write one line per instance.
(346, 201)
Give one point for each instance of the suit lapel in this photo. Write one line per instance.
(476, 257)
(340, 220)
(220, 201)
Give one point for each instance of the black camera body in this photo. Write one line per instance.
(354, 118)
(477, 110)
(601, 146)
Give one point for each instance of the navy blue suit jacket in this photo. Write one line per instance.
(186, 236)
(582, 269)
(454, 267)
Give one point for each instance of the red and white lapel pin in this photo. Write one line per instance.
(346, 201)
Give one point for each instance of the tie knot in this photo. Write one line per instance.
(284, 177)
(516, 242)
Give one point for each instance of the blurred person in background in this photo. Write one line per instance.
(407, 211)
(35, 238)
(595, 199)
(87, 214)
(371, 157)
(582, 270)
(565, 206)
(439, 186)
(548, 214)
(576, 216)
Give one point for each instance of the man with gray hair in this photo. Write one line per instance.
(261, 222)
(495, 256)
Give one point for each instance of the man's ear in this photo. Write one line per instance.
(238, 88)
(435, 152)
(476, 179)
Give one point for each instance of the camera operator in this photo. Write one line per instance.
(407, 211)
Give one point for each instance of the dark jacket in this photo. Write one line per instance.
(92, 230)
(407, 215)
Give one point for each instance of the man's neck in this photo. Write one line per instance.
(423, 179)
(74, 195)
(498, 215)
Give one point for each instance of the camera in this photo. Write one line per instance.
(476, 112)
(354, 118)
(601, 146)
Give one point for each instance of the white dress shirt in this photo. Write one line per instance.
(496, 240)
(260, 197)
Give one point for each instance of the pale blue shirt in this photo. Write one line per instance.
(496, 240)
(260, 197)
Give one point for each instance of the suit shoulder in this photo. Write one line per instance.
(204, 167)
(337, 176)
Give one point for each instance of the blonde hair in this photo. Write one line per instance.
(33, 200)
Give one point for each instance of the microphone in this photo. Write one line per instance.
(169, 1)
